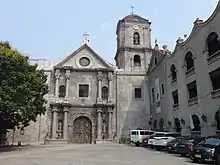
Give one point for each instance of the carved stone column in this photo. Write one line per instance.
(99, 123)
(110, 78)
(132, 63)
(114, 124)
(68, 75)
(65, 123)
(142, 62)
(99, 86)
(110, 123)
(54, 121)
(57, 76)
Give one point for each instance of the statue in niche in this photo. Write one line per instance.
(114, 136)
(60, 129)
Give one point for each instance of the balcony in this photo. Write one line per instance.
(213, 57)
(175, 107)
(193, 101)
(174, 81)
(190, 72)
(215, 93)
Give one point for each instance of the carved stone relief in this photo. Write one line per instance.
(60, 129)
(86, 78)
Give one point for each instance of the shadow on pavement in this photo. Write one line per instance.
(13, 148)
(190, 161)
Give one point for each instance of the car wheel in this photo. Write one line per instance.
(217, 160)
(158, 149)
(195, 160)
(137, 144)
(183, 155)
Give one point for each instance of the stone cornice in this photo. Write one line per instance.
(83, 69)
(104, 104)
(81, 105)
(121, 73)
(60, 105)
(126, 48)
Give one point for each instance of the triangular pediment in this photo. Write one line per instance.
(84, 57)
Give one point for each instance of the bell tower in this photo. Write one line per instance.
(133, 43)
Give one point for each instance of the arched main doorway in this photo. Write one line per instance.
(82, 130)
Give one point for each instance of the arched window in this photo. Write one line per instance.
(189, 61)
(155, 61)
(62, 91)
(173, 72)
(104, 93)
(196, 123)
(136, 38)
(161, 124)
(137, 60)
(213, 43)
(155, 125)
(177, 125)
(217, 119)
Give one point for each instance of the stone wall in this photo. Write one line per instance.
(132, 113)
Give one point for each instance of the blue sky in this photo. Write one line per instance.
(52, 29)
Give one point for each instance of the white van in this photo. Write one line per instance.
(136, 136)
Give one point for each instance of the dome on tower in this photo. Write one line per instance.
(134, 17)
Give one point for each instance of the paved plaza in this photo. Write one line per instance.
(90, 155)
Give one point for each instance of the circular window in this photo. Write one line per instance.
(84, 61)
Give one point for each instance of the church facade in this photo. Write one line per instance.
(92, 101)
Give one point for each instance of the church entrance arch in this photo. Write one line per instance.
(82, 130)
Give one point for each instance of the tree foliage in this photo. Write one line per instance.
(22, 89)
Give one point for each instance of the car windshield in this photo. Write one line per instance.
(175, 140)
(172, 135)
(211, 141)
(159, 135)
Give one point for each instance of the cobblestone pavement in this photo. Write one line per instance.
(90, 155)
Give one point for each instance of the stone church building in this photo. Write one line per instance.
(91, 100)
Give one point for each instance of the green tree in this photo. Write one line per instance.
(22, 89)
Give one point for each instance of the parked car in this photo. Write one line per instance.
(172, 145)
(217, 155)
(152, 138)
(145, 141)
(136, 136)
(185, 145)
(204, 151)
(160, 143)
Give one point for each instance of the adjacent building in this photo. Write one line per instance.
(190, 76)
